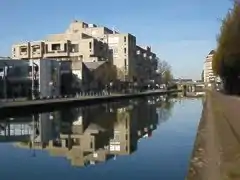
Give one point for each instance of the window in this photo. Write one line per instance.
(115, 148)
(90, 45)
(36, 49)
(65, 47)
(116, 137)
(126, 137)
(115, 50)
(125, 39)
(46, 48)
(113, 40)
(125, 64)
(23, 49)
(125, 50)
(56, 47)
(74, 48)
(126, 125)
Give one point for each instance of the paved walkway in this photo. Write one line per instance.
(216, 154)
(227, 119)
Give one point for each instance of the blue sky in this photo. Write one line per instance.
(181, 32)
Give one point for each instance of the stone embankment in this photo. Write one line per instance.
(216, 153)
(20, 107)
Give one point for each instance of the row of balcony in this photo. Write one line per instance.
(58, 49)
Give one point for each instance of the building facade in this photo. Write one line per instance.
(207, 69)
(46, 75)
(28, 78)
(91, 43)
(146, 64)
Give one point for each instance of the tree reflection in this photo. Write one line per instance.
(164, 109)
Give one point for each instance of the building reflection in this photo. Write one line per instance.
(90, 135)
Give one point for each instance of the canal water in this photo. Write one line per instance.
(138, 139)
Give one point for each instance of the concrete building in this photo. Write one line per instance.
(123, 47)
(63, 47)
(91, 43)
(146, 64)
(207, 69)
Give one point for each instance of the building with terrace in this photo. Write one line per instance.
(92, 44)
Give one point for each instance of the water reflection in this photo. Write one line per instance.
(88, 135)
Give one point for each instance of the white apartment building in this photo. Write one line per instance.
(208, 71)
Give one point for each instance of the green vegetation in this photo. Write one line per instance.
(226, 60)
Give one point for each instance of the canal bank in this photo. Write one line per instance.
(20, 107)
(216, 153)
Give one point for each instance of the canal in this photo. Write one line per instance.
(150, 138)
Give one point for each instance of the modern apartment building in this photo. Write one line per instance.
(92, 43)
(208, 71)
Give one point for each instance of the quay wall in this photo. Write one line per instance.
(22, 107)
(216, 152)
(205, 155)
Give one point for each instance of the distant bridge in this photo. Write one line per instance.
(190, 86)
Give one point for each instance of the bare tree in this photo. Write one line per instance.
(162, 66)
(165, 71)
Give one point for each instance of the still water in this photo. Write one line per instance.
(137, 139)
